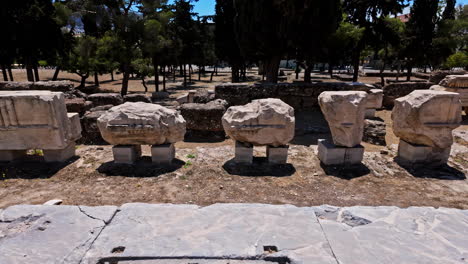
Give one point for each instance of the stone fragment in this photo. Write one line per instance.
(60, 155)
(54, 202)
(374, 101)
(375, 132)
(397, 90)
(76, 105)
(411, 153)
(160, 95)
(438, 76)
(330, 154)
(277, 155)
(54, 86)
(204, 117)
(455, 81)
(141, 124)
(163, 154)
(243, 153)
(100, 99)
(262, 122)
(427, 118)
(126, 154)
(91, 133)
(137, 98)
(344, 112)
(36, 120)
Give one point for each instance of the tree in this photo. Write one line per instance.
(367, 14)
(459, 59)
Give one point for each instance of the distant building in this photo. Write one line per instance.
(404, 18)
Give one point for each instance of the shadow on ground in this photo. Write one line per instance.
(32, 167)
(143, 168)
(346, 172)
(441, 172)
(259, 168)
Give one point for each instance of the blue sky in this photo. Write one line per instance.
(207, 7)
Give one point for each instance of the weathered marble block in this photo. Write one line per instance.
(37, 120)
(262, 122)
(426, 119)
(374, 102)
(344, 112)
(330, 154)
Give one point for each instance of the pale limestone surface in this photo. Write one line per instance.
(261, 122)
(427, 117)
(141, 124)
(374, 99)
(455, 81)
(36, 120)
(344, 112)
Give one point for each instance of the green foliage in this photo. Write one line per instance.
(459, 59)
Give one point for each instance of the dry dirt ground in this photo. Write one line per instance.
(204, 174)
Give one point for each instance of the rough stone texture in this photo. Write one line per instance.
(126, 154)
(375, 132)
(243, 153)
(60, 155)
(35, 120)
(278, 155)
(300, 96)
(330, 154)
(55, 86)
(50, 234)
(204, 117)
(410, 153)
(100, 99)
(438, 76)
(427, 118)
(141, 124)
(455, 81)
(229, 231)
(344, 112)
(397, 90)
(77, 105)
(414, 235)
(91, 133)
(374, 99)
(262, 122)
(137, 98)
(163, 154)
(232, 233)
(203, 97)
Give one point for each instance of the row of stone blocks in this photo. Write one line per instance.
(129, 154)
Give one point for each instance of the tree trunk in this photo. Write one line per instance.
(4, 71)
(181, 70)
(83, 80)
(156, 74)
(410, 70)
(271, 67)
(199, 73)
(173, 74)
(330, 70)
(126, 77)
(190, 70)
(235, 73)
(29, 70)
(307, 72)
(10, 73)
(112, 75)
(356, 55)
(36, 73)
(185, 75)
(56, 73)
(212, 73)
(144, 84)
(96, 79)
(164, 78)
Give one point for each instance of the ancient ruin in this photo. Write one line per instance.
(424, 121)
(344, 112)
(374, 102)
(456, 84)
(130, 125)
(265, 122)
(37, 120)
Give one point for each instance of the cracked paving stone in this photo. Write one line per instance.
(233, 231)
(49, 234)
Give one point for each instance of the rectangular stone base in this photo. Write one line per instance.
(11, 155)
(277, 155)
(163, 154)
(370, 113)
(244, 153)
(126, 154)
(330, 154)
(59, 155)
(411, 153)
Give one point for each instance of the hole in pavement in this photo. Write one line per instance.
(270, 249)
(118, 250)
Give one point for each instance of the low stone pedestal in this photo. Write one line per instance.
(163, 154)
(411, 153)
(330, 154)
(59, 155)
(370, 113)
(126, 154)
(11, 155)
(277, 155)
(244, 153)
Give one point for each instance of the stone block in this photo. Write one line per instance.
(11, 155)
(126, 154)
(100, 99)
(163, 154)
(277, 155)
(370, 113)
(330, 154)
(244, 153)
(204, 117)
(411, 153)
(137, 98)
(34, 120)
(60, 155)
(75, 125)
(374, 99)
